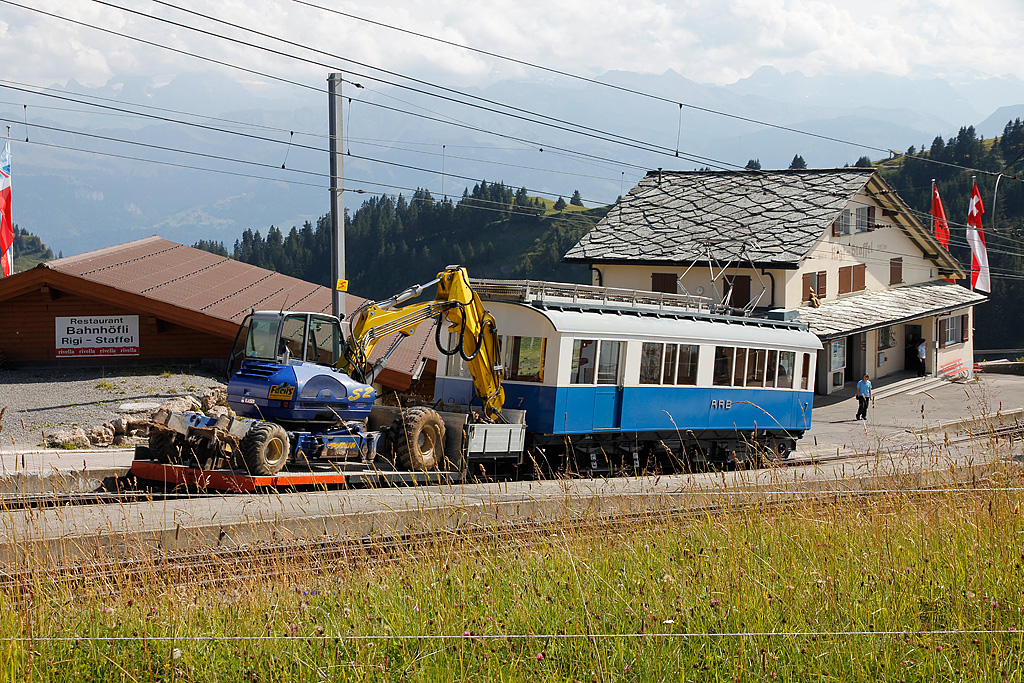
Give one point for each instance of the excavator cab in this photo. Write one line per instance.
(283, 368)
(287, 339)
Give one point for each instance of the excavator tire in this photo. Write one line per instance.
(265, 448)
(419, 439)
(164, 447)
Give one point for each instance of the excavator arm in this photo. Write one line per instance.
(455, 299)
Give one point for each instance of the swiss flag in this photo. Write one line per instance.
(941, 226)
(980, 278)
(939, 220)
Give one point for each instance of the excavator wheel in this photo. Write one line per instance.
(419, 439)
(265, 448)
(164, 446)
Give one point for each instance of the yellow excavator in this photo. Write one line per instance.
(302, 390)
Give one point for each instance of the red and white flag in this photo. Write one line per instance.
(939, 214)
(6, 224)
(980, 277)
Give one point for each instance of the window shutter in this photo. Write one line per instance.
(896, 271)
(871, 218)
(663, 282)
(859, 271)
(965, 328)
(846, 280)
(821, 284)
(805, 294)
(835, 228)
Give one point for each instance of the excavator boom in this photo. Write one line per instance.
(475, 329)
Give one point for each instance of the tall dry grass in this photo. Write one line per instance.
(884, 586)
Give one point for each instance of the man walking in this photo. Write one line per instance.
(922, 353)
(863, 396)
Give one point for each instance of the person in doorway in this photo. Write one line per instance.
(922, 353)
(863, 397)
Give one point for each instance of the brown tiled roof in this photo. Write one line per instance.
(212, 285)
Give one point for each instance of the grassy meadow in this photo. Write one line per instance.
(897, 587)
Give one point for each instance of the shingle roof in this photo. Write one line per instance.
(195, 279)
(892, 306)
(212, 285)
(677, 216)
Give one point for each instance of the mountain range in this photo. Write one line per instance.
(76, 201)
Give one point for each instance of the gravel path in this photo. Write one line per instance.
(47, 400)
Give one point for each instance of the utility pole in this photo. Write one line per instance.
(339, 285)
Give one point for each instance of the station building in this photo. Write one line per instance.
(154, 301)
(836, 249)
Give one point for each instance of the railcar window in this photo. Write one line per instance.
(688, 364)
(608, 368)
(524, 358)
(772, 368)
(723, 366)
(787, 364)
(670, 365)
(650, 362)
(755, 367)
(806, 377)
(740, 367)
(584, 352)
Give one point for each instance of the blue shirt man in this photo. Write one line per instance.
(863, 396)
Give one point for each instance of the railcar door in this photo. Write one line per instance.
(608, 392)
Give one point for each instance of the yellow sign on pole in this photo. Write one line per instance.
(342, 286)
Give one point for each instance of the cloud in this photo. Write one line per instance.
(706, 40)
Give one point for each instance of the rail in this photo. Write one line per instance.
(529, 291)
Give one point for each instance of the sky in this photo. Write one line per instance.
(709, 41)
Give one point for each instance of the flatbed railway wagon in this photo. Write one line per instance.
(618, 380)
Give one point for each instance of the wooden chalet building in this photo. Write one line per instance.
(836, 249)
(154, 301)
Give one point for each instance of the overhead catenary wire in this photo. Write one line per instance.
(520, 112)
(407, 166)
(594, 81)
(716, 162)
(663, 150)
(369, 158)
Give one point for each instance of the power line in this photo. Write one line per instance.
(523, 113)
(592, 80)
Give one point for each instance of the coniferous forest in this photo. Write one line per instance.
(498, 232)
(999, 323)
(394, 242)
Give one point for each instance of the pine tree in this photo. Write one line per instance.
(798, 163)
(753, 165)
(560, 204)
(576, 199)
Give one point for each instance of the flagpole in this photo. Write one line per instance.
(974, 183)
(933, 203)
(995, 192)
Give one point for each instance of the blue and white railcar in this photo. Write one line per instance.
(611, 385)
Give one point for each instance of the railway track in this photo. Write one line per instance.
(229, 565)
(127, 496)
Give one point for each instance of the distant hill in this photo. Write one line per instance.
(392, 243)
(29, 250)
